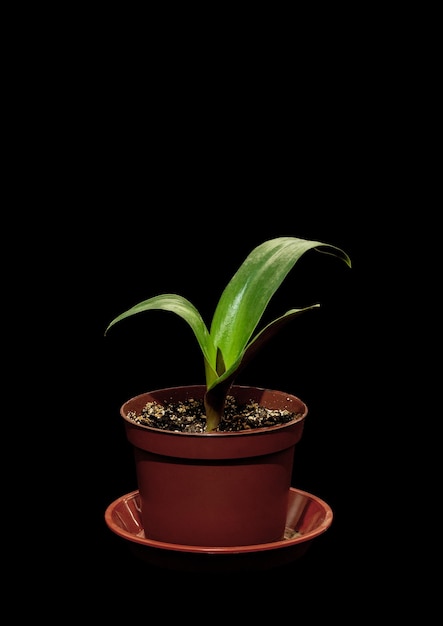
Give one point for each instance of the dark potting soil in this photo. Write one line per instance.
(189, 416)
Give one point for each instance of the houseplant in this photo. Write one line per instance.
(203, 478)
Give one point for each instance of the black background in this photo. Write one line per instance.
(138, 228)
(138, 191)
(193, 248)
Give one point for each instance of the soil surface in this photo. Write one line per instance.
(189, 416)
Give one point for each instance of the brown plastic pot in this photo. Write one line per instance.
(215, 489)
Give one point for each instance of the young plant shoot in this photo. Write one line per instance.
(233, 338)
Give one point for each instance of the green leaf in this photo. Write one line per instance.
(186, 310)
(248, 293)
(259, 341)
(231, 345)
(216, 393)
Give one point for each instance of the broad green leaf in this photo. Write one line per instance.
(186, 310)
(231, 345)
(248, 293)
(216, 393)
(258, 342)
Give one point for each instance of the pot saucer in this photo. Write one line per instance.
(308, 517)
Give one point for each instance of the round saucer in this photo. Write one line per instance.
(308, 517)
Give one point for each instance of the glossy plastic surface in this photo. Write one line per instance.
(307, 517)
(189, 482)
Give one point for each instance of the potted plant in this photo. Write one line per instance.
(214, 461)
